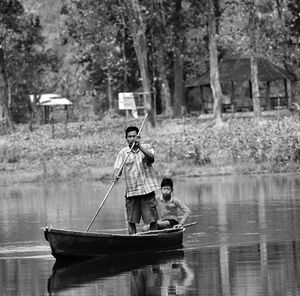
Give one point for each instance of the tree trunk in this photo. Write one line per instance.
(166, 97)
(140, 46)
(214, 66)
(253, 61)
(4, 92)
(179, 91)
(160, 66)
(178, 84)
(279, 8)
(255, 88)
(165, 88)
(110, 99)
(125, 74)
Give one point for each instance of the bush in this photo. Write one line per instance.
(242, 143)
(181, 146)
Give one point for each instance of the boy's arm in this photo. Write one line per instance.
(158, 209)
(186, 212)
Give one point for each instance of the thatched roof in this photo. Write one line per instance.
(238, 69)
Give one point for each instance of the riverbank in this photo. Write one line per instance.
(188, 147)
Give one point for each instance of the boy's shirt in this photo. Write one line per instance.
(171, 209)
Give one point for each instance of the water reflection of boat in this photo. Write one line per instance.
(66, 275)
(67, 243)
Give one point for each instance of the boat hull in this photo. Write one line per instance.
(68, 243)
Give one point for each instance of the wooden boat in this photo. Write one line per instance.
(69, 243)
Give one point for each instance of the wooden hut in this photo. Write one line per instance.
(275, 85)
(51, 105)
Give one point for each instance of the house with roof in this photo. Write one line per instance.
(275, 86)
(51, 106)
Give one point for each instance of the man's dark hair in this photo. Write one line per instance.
(166, 182)
(131, 129)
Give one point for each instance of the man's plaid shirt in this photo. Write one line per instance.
(139, 174)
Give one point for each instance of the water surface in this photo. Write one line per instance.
(246, 241)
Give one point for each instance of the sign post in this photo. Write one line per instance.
(127, 102)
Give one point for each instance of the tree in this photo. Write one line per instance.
(179, 32)
(10, 11)
(159, 40)
(99, 45)
(137, 28)
(155, 29)
(292, 21)
(23, 60)
(252, 31)
(214, 67)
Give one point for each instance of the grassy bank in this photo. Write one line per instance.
(189, 147)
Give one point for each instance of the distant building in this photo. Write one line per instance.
(51, 105)
(275, 86)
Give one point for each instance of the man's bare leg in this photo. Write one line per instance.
(131, 228)
(163, 224)
(160, 225)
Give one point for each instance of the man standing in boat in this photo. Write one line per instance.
(140, 180)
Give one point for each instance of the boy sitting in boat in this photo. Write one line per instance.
(170, 208)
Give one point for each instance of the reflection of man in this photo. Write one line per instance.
(146, 281)
(180, 277)
(170, 278)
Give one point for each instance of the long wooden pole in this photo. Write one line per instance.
(115, 181)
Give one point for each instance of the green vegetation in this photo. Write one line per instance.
(89, 51)
(185, 147)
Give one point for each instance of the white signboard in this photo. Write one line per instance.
(126, 101)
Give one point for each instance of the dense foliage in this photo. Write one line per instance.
(189, 147)
(95, 47)
(24, 62)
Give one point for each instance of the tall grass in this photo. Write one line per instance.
(186, 147)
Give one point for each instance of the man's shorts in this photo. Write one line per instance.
(141, 206)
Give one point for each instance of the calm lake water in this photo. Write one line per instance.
(246, 242)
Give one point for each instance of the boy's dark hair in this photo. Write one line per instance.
(166, 182)
(131, 129)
